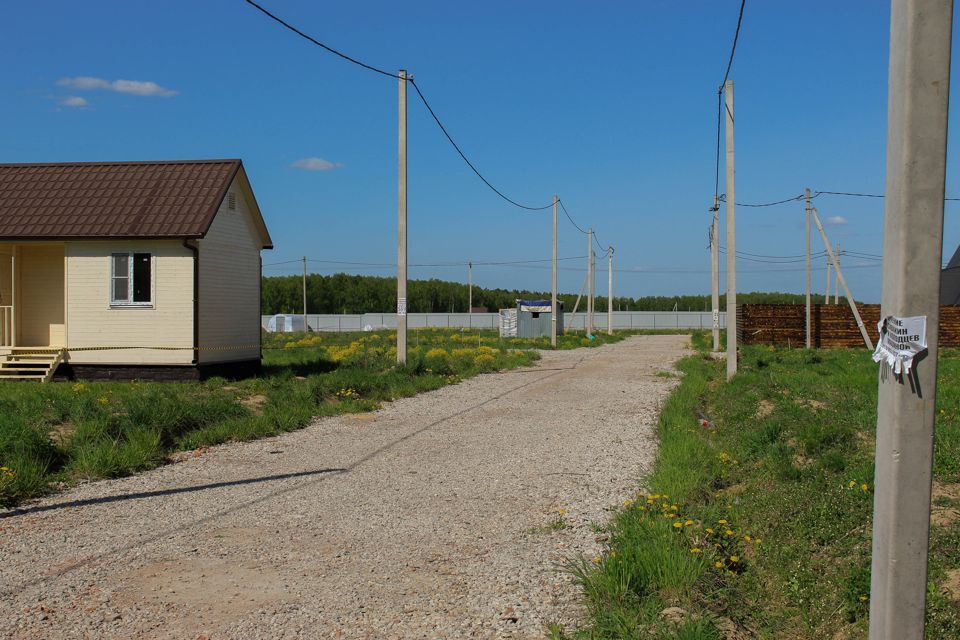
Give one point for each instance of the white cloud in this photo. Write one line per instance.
(74, 101)
(836, 221)
(315, 164)
(134, 87)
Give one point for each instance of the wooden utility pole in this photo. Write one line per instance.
(470, 288)
(807, 193)
(842, 280)
(919, 87)
(609, 291)
(715, 272)
(553, 280)
(590, 281)
(402, 223)
(731, 239)
(306, 327)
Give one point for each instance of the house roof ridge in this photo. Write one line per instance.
(114, 163)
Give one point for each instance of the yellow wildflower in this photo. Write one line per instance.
(851, 484)
(864, 487)
(709, 531)
(729, 532)
(677, 524)
(718, 565)
(695, 550)
(734, 558)
(722, 521)
(747, 538)
(688, 523)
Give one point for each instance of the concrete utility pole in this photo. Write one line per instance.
(836, 283)
(609, 291)
(553, 280)
(919, 81)
(305, 326)
(731, 240)
(841, 279)
(807, 193)
(402, 223)
(470, 287)
(590, 281)
(826, 294)
(715, 272)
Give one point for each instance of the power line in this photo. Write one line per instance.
(318, 43)
(467, 160)
(733, 49)
(570, 218)
(723, 198)
(736, 36)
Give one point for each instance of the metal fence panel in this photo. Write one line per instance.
(621, 320)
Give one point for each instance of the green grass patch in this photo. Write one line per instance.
(64, 432)
(760, 518)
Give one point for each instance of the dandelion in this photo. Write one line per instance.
(864, 487)
(673, 507)
(103, 400)
(677, 524)
(864, 598)
(562, 511)
(718, 565)
(79, 387)
(747, 538)
(729, 532)
(734, 558)
(695, 550)
(688, 523)
(757, 541)
(597, 559)
(722, 521)
(627, 503)
(709, 531)
(851, 484)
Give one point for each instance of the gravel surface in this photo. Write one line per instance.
(427, 519)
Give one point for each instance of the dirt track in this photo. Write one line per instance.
(426, 519)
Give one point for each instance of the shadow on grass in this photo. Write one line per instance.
(166, 492)
(303, 369)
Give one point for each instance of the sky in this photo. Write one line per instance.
(610, 105)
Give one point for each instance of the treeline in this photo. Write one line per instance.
(344, 293)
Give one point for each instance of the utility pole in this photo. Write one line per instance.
(807, 193)
(590, 281)
(306, 327)
(826, 294)
(919, 87)
(609, 291)
(731, 239)
(553, 280)
(836, 283)
(715, 272)
(841, 280)
(402, 222)
(470, 288)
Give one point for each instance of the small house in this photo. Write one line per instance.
(534, 318)
(129, 269)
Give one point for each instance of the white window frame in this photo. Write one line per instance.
(129, 303)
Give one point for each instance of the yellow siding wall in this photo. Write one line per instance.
(92, 322)
(230, 283)
(40, 316)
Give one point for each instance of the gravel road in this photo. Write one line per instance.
(427, 519)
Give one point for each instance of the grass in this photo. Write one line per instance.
(760, 517)
(56, 434)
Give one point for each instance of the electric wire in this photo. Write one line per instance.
(570, 218)
(318, 43)
(467, 160)
(726, 75)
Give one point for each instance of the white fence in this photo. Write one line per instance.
(621, 320)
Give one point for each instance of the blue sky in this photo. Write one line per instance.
(611, 105)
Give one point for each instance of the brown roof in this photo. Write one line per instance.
(113, 199)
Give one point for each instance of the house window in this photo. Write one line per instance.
(130, 279)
